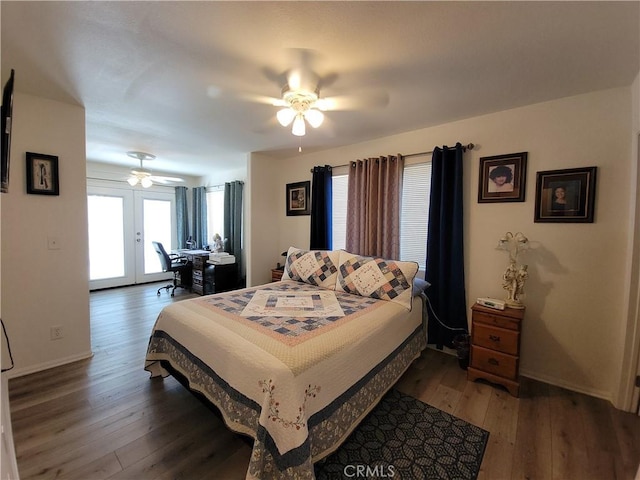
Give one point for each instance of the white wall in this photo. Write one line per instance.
(629, 356)
(43, 287)
(574, 296)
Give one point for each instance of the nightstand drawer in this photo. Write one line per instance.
(494, 362)
(495, 338)
(496, 320)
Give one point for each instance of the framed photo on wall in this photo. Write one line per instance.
(298, 198)
(42, 174)
(566, 196)
(502, 178)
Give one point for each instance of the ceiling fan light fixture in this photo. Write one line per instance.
(314, 117)
(146, 182)
(132, 180)
(299, 128)
(285, 116)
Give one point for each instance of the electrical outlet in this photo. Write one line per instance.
(56, 333)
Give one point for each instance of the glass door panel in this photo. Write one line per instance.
(110, 231)
(122, 224)
(155, 220)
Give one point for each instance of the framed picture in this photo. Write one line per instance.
(502, 178)
(42, 174)
(566, 196)
(298, 198)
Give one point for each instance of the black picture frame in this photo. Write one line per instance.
(42, 174)
(576, 187)
(7, 113)
(298, 198)
(502, 178)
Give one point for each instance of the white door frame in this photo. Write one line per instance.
(133, 224)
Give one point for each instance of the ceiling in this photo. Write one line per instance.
(180, 79)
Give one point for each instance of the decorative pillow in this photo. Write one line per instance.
(419, 286)
(390, 280)
(317, 267)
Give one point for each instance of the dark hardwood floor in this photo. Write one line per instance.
(104, 418)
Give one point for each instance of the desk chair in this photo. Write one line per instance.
(176, 264)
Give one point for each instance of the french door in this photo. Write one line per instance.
(122, 224)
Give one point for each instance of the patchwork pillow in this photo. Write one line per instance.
(316, 267)
(390, 280)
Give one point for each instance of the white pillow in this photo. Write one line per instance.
(316, 267)
(390, 280)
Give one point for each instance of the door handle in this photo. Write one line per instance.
(494, 338)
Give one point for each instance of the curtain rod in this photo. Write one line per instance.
(468, 146)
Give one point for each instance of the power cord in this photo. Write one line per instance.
(4, 332)
(440, 321)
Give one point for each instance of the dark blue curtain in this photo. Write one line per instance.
(200, 216)
(233, 222)
(321, 208)
(182, 216)
(445, 249)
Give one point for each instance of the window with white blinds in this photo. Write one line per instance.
(414, 212)
(340, 186)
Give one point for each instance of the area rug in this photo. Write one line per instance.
(404, 438)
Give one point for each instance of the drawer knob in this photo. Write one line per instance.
(494, 338)
(493, 361)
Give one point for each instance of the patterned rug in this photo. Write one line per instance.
(404, 438)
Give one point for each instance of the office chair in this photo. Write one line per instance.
(176, 264)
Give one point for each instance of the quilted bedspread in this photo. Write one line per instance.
(294, 366)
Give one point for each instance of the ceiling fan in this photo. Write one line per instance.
(300, 102)
(143, 176)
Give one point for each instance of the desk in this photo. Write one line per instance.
(208, 278)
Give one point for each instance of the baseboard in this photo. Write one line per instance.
(21, 372)
(556, 382)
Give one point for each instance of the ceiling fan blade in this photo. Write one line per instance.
(356, 101)
(215, 92)
(165, 180)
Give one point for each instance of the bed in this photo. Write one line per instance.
(296, 364)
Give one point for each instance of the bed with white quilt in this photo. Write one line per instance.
(296, 364)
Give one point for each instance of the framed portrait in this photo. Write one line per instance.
(566, 196)
(42, 174)
(502, 178)
(298, 198)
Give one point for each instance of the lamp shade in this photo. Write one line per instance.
(146, 182)
(299, 128)
(133, 181)
(314, 117)
(285, 116)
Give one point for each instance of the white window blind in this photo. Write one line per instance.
(414, 212)
(215, 213)
(340, 188)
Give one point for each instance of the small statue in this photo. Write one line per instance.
(513, 283)
(521, 277)
(217, 243)
(510, 282)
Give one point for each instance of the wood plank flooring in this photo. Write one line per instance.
(104, 418)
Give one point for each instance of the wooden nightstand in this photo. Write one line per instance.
(495, 346)
(276, 274)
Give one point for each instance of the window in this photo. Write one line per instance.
(215, 212)
(340, 186)
(414, 212)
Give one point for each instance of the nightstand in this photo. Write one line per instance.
(276, 274)
(495, 346)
